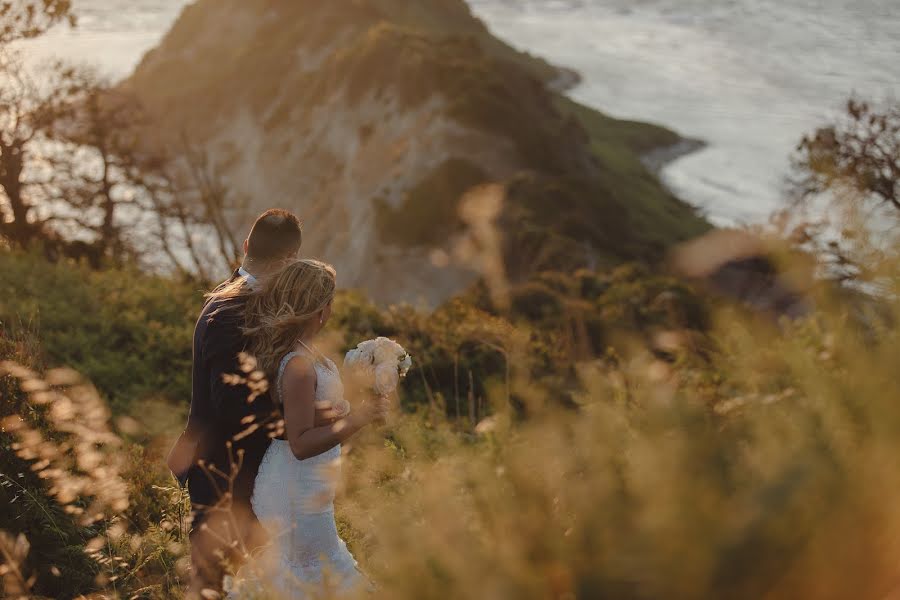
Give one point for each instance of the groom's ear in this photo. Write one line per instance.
(246, 245)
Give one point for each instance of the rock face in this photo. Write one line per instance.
(370, 118)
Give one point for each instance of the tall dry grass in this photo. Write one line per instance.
(766, 470)
(757, 460)
(87, 482)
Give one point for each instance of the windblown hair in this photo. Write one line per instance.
(278, 313)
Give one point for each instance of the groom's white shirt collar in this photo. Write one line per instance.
(251, 280)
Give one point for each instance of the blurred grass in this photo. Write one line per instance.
(688, 449)
(762, 472)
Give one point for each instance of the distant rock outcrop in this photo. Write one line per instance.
(371, 118)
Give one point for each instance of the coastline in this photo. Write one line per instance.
(659, 158)
(654, 160)
(566, 79)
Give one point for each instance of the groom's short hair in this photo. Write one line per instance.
(276, 234)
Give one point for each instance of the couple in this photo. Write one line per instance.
(259, 467)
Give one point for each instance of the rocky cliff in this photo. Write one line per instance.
(370, 118)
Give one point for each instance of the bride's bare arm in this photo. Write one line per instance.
(299, 394)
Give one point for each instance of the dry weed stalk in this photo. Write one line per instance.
(63, 430)
(83, 457)
(14, 551)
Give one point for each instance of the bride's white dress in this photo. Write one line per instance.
(294, 501)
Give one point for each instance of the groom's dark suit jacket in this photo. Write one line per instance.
(220, 411)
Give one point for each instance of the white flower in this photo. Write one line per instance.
(380, 364)
(405, 365)
(341, 408)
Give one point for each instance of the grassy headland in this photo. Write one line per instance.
(359, 112)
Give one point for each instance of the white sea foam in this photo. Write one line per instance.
(112, 35)
(748, 76)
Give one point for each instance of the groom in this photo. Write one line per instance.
(220, 451)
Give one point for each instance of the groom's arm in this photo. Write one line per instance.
(213, 400)
(182, 456)
(185, 451)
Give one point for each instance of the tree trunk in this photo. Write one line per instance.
(19, 230)
(472, 415)
(456, 382)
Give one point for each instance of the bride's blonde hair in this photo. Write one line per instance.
(278, 313)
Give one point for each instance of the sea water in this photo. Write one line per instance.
(749, 77)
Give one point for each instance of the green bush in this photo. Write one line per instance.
(429, 212)
(128, 332)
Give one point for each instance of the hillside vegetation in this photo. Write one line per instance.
(610, 433)
(130, 333)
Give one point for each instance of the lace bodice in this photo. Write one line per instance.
(294, 500)
(329, 387)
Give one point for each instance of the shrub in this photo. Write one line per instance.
(128, 332)
(429, 212)
(749, 465)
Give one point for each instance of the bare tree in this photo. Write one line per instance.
(27, 111)
(82, 171)
(214, 197)
(24, 109)
(845, 195)
(192, 208)
(174, 224)
(861, 152)
(25, 19)
(89, 153)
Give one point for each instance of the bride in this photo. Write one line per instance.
(294, 491)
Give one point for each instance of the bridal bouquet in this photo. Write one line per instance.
(378, 364)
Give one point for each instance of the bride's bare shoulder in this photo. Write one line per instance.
(299, 373)
(299, 363)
